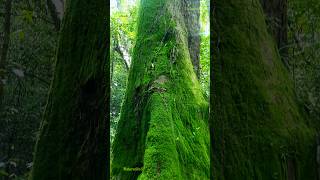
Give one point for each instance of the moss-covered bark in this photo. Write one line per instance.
(72, 141)
(259, 131)
(163, 125)
(191, 12)
(277, 18)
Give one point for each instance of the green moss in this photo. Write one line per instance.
(257, 125)
(72, 140)
(163, 126)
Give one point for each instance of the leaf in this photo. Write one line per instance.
(21, 35)
(27, 15)
(3, 173)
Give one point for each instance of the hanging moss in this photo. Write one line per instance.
(259, 131)
(72, 140)
(163, 131)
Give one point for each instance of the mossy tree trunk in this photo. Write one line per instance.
(191, 11)
(277, 18)
(163, 125)
(72, 140)
(259, 131)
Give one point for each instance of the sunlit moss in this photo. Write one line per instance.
(163, 125)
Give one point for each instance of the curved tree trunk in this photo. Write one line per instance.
(72, 141)
(163, 125)
(259, 131)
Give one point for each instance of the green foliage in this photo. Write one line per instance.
(123, 25)
(204, 16)
(304, 56)
(29, 67)
(205, 64)
(123, 33)
(118, 87)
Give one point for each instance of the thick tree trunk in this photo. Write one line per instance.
(163, 125)
(258, 130)
(5, 47)
(73, 142)
(191, 11)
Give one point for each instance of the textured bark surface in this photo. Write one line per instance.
(163, 131)
(277, 19)
(55, 12)
(191, 11)
(258, 130)
(59, 4)
(73, 136)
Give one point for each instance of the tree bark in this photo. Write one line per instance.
(5, 47)
(191, 10)
(163, 124)
(277, 19)
(55, 13)
(258, 129)
(73, 136)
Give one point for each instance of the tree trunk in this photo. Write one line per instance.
(73, 142)
(5, 47)
(277, 19)
(258, 130)
(191, 10)
(55, 12)
(163, 125)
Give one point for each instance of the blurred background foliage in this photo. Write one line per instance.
(33, 41)
(304, 54)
